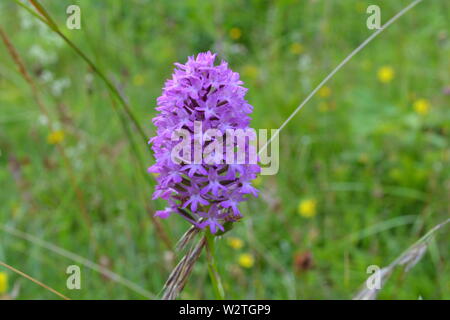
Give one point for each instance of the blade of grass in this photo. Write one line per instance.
(33, 279)
(408, 259)
(339, 66)
(79, 259)
(42, 11)
(382, 226)
(34, 13)
(212, 269)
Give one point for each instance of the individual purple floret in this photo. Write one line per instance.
(206, 192)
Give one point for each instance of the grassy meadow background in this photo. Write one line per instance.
(364, 167)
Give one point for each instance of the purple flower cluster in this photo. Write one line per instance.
(207, 193)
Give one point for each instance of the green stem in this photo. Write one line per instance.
(212, 269)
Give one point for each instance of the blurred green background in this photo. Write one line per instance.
(364, 167)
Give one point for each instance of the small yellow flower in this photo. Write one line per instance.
(3, 282)
(235, 243)
(324, 92)
(246, 260)
(385, 74)
(307, 208)
(235, 33)
(421, 106)
(55, 137)
(296, 48)
(138, 80)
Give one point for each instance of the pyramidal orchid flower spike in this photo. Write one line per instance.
(207, 193)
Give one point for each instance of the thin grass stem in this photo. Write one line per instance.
(33, 279)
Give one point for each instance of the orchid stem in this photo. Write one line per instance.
(212, 269)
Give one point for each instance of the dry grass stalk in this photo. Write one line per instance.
(408, 259)
(33, 279)
(178, 277)
(186, 238)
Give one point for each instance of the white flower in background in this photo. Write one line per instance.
(304, 62)
(229, 49)
(46, 76)
(58, 86)
(43, 120)
(27, 22)
(43, 57)
(88, 78)
(26, 19)
(304, 65)
(49, 36)
(75, 151)
(237, 49)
